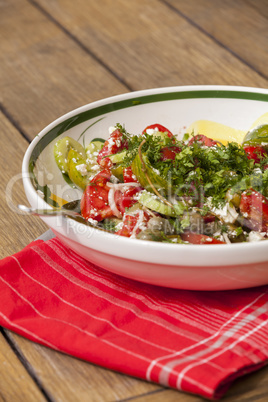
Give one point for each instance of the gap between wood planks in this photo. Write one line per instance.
(14, 123)
(26, 364)
(171, 7)
(218, 42)
(80, 44)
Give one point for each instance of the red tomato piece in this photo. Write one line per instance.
(111, 146)
(128, 198)
(202, 140)
(160, 128)
(130, 222)
(129, 176)
(94, 202)
(196, 238)
(257, 153)
(102, 178)
(254, 207)
(169, 152)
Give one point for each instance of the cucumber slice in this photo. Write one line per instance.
(162, 136)
(78, 169)
(61, 150)
(116, 158)
(158, 182)
(117, 171)
(257, 136)
(99, 140)
(94, 146)
(155, 204)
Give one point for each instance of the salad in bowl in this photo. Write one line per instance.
(171, 185)
(153, 186)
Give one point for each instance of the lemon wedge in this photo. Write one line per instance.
(216, 131)
(260, 121)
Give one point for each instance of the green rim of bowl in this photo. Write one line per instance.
(111, 107)
(98, 111)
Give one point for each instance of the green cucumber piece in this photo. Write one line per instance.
(257, 136)
(94, 146)
(116, 158)
(155, 204)
(99, 140)
(162, 136)
(158, 182)
(117, 171)
(61, 150)
(78, 169)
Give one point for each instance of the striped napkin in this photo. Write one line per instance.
(197, 342)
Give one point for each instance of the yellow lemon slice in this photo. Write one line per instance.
(260, 121)
(216, 131)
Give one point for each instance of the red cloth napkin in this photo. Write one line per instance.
(198, 342)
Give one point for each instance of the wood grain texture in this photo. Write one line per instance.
(70, 379)
(260, 5)
(16, 231)
(64, 377)
(43, 72)
(15, 383)
(240, 26)
(57, 55)
(150, 45)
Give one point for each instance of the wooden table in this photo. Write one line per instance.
(57, 55)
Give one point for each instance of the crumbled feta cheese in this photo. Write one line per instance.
(82, 169)
(255, 236)
(119, 226)
(95, 167)
(257, 171)
(228, 212)
(152, 131)
(92, 221)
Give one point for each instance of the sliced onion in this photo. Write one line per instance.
(120, 185)
(226, 238)
(112, 204)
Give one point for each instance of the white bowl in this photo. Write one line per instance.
(195, 267)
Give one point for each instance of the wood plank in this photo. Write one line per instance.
(16, 231)
(241, 26)
(150, 45)
(15, 382)
(70, 379)
(260, 5)
(43, 72)
(47, 69)
(64, 377)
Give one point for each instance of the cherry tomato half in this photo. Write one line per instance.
(158, 127)
(111, 146)
(129, 176)
(255, 152)
(169, 152)
(254, 207)
(202, 140)
(94, 202)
